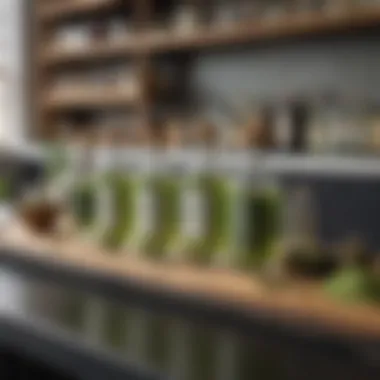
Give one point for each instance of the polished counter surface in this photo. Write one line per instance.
(157, 342)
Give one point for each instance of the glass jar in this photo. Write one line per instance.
(274, 10)
(282, 127)
(164, 184)
(226, 13)
(186, 18)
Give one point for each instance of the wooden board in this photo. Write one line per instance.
(300, 303)
(303, 25)
(72, 8)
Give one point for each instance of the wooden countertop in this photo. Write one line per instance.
(302, 304)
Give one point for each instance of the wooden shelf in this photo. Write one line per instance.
(95, 52)
(306, 25)
(300, 303)
(73, 8)
(89, 99)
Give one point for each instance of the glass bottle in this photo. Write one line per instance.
(89, 196)
(213, 188)
(192, 203)
(120, 202)
(167, 201)
(282, 127)
(317, 128)
(335, 128)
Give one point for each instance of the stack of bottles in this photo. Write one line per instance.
(185, 204)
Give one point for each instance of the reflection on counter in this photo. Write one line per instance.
(178, 348)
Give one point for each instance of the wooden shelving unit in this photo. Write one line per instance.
(143, 44)
(58, 11)
(89, 99)
(147, 43)
(97, 52)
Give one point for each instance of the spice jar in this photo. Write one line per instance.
(209, 134)
(186, 18)
(226, 13)
(259, 130)
(273, 10)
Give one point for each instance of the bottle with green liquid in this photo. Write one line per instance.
(257, 219)
(89, 197)
(242, 211)
(129, 200)
(193, 227)
(83, 199)
(214, 188)
(58, 157)
(166, 189)
(118, 188)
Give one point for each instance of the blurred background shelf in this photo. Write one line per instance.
(61, 10)
(306, 25)
(94, 53)
(89, 100)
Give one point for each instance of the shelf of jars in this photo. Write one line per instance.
(59, 10)
(112, 37)
(156, 42)
(323, 134)
(306, 24)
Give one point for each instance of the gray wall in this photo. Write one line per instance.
(350, 66)
(276, 70)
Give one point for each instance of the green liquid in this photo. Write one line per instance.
(216, 195)
(123, 204)
(84, 204)
(167, 211)
(261, 228)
